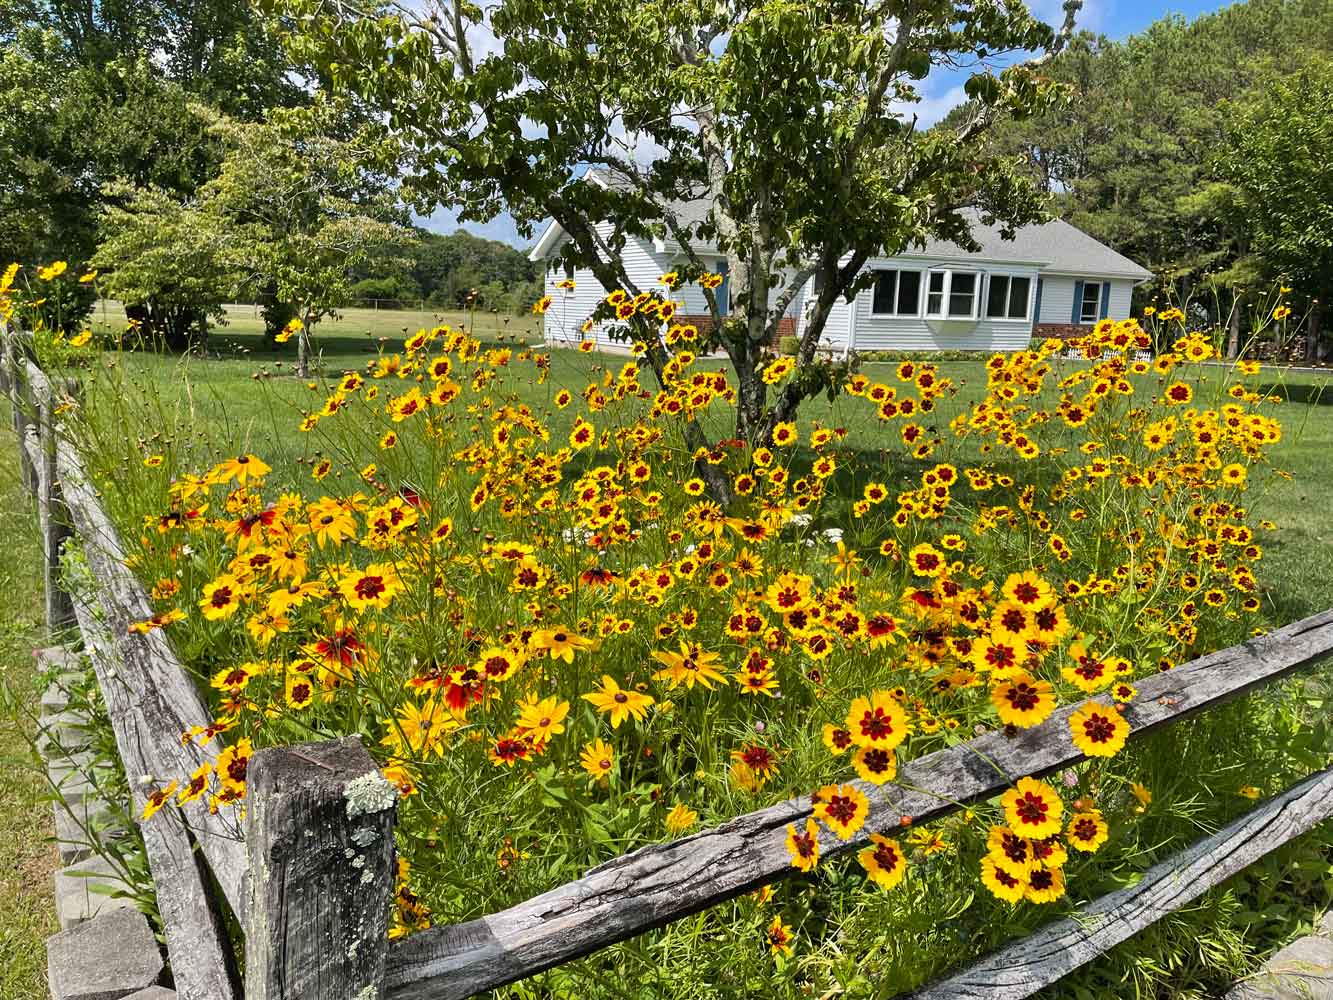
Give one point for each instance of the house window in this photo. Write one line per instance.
(952, 294)
(1007, 296)
(1089, 308)
(897, 293)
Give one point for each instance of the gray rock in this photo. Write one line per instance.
(81, 822)
(153, 993)
(1325, 926)
(62, 731)
(77, 902)
(107, 958)
(1303, 970)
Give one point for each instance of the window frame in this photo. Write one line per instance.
(1009, 277)
(897, 293)
(947, 293)
(1097, 303)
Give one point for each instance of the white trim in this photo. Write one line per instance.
(1096, 309)
(945, 293)
(540, 250)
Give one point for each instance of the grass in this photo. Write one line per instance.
(240, 398)
(27, 856)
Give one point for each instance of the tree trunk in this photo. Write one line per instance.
(303, 348)
(1313, 326)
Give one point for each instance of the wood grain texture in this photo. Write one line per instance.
(151, 687)
(1049, 954)
(54, 517)
(202, 961)
(656, 885)
(323, 871)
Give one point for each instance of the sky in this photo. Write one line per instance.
(941, 91)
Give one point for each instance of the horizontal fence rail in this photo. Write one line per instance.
(1047, 955)
(651, 887)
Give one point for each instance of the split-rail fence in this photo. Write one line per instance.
(309, 877)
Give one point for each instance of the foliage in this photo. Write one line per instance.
(169, 263)
(309, 196)
(1277, 160)
(807, 179)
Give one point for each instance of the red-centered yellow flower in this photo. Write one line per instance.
(1033, 809)
(220, 598)
(232, 765)
(158, 799)
(761, 761)
(560, 643)
(1023, 701)
(693, 664)
(875, 765)
(1098, 731)
(837, 739)
(539, 720)
(789, 592)
(197, 785)
(498, 664)
(926, 560)
(878, 721)
(1002, 883)
(598, 759)
(1027, 589)
(372, 587)
(1045, 885)
(1011, 851)
(1087, 831)
(842, 808)
(883, 861)
(779, 937)
(299, 690)
(803, 846)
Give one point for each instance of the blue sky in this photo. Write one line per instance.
(941, 90)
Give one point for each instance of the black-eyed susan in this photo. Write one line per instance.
(598, 759)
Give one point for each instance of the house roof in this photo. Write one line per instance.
(1055, 246)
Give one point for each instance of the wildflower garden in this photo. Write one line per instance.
(505, 570)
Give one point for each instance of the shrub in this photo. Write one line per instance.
(788, 346)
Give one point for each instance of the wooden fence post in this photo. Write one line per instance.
(21, 402)
(320, 846)
(55, 521)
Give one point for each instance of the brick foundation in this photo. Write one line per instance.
(786, 325)
(1064, 331)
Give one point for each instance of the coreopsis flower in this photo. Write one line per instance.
(1045, 885)
(1011, 851)
(883, 861)
(842, 808)
(761, 762)
(1098, 731)
(837, 739)
(420, 729)
(1023, 701)
(220, 598)
(372, 587)
(803, 846)
(160, 620)
(926, 560)
(619, 703)
(158, 799)
(232, 765)
(878, 721)
(196, 786)
(1002, 883)
(779, 937)
(1087, 831)
(541, 305)
(680, 818)
(53, 270)
(1033, 809)
(1027, 589)
(598, 759)
(875, 764)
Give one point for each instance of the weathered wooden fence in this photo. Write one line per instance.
(309, 877)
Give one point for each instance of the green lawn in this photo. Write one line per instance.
(27, 857)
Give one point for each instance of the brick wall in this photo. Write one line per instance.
(786, 325)
(1062, 330)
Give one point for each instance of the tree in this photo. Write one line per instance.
(787, 116)
(311, 195)
(168, 262)
(1278, 160)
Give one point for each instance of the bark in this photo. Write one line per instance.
(1233, 333)
(1313, 328)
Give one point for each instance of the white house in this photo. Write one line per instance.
(1052, 279)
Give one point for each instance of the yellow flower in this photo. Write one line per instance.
(693, 664)
(540, 720)
(680, 819)
(1032, 809)
(559, 643)
(620, 703)
(158, 799)
(877, 721)
(803, 846)
(883, 861)
(81, 338)
(1249, 791)
(1087, 831)
(1141, 793)
(52, 270)
(372, 587)
(842, 808)
(779, 937)
(1098, 731)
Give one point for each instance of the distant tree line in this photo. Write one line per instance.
(1202, 150)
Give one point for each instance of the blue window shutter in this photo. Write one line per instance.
(1076, 313)
(1036, 306)
(723, 292)
(1106, 300)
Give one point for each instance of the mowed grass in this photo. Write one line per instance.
(27, 856)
